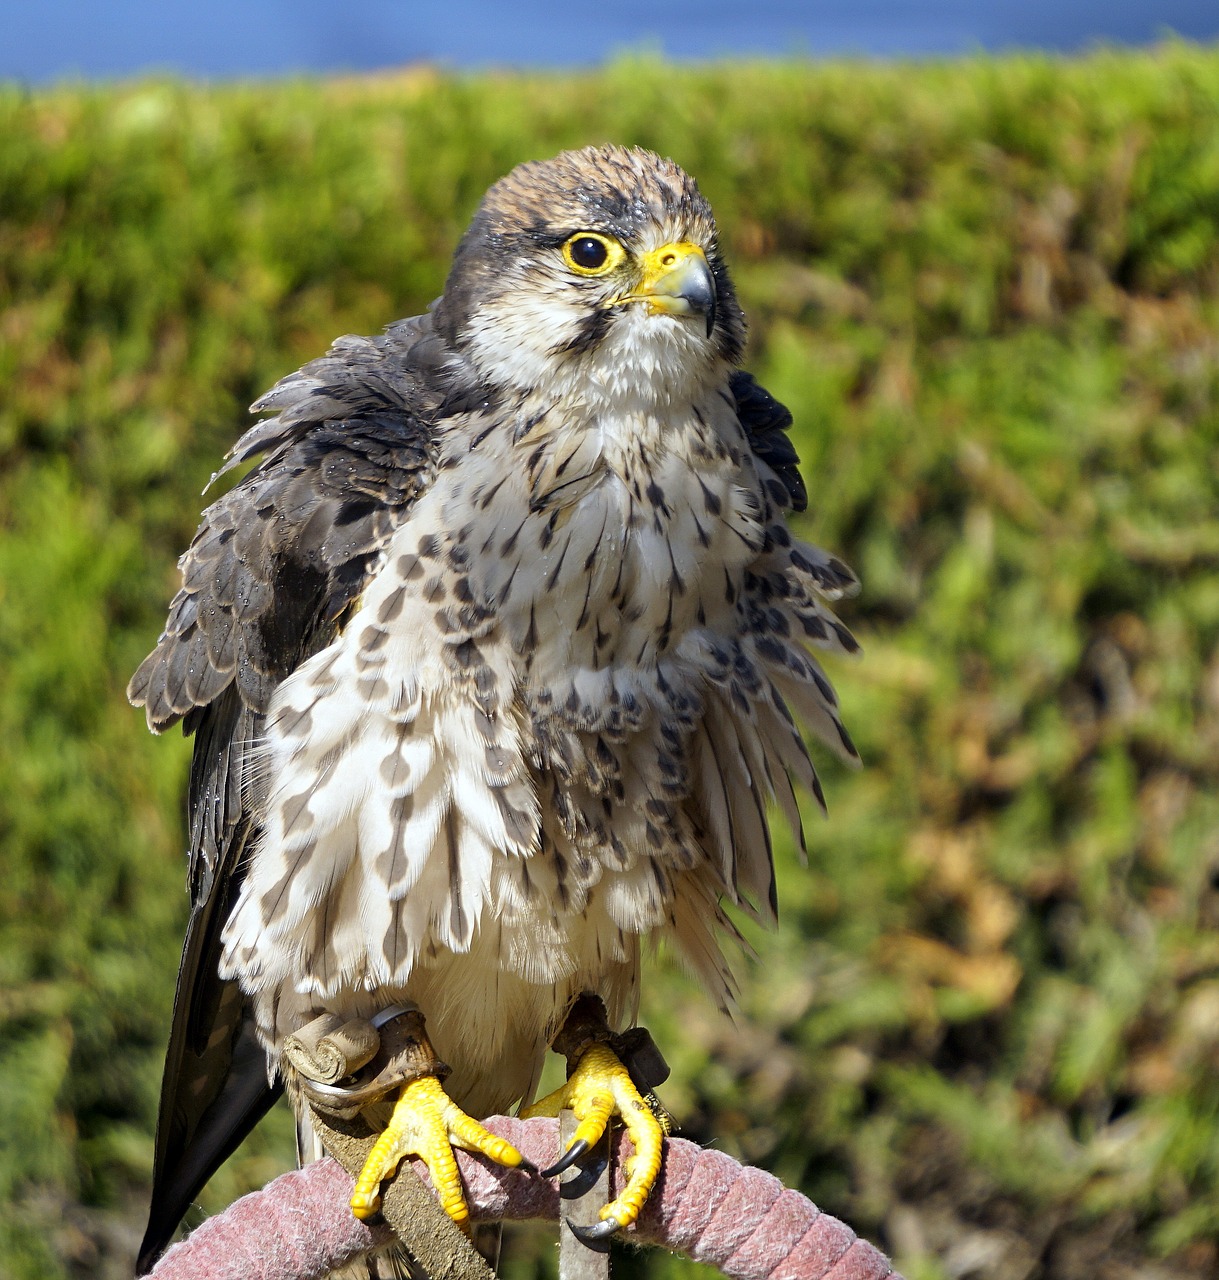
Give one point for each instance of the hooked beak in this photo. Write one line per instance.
(677, 281)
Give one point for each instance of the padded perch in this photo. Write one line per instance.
(706, 1205)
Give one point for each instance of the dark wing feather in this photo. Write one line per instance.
(215, 1087)
(267, 581)
(767, 422)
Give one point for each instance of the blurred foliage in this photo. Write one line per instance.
(987, 1030)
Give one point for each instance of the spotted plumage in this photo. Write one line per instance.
(494, 659)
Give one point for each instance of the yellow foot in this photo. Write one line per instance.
(427, 1123)
(600, 1086)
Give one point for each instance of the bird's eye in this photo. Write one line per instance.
(590, 254)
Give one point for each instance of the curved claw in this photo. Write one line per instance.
(598, 1088)
(567, 1159)
(594, 1235)
(427, 1123)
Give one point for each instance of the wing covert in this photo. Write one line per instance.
(277, 560)
(767, 422)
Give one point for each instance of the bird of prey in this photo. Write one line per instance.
(493, 661)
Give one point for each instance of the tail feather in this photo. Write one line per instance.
(194, 1151)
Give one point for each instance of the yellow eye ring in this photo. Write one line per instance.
(588, 253)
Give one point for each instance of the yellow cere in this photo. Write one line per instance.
(657, 263)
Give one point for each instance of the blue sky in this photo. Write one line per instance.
(49, 40)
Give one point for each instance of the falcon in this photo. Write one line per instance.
(493, 661)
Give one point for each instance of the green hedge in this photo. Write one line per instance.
(988, 1026)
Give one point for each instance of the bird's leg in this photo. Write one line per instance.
(599, 1086)
(427, 1123)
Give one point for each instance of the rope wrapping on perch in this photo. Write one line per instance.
(705, 1205)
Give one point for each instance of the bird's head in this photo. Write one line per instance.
(595, 275)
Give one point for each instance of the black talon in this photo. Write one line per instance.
(585, 1177)
(527, 1166)
(595, 1236)
(567, 1159)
